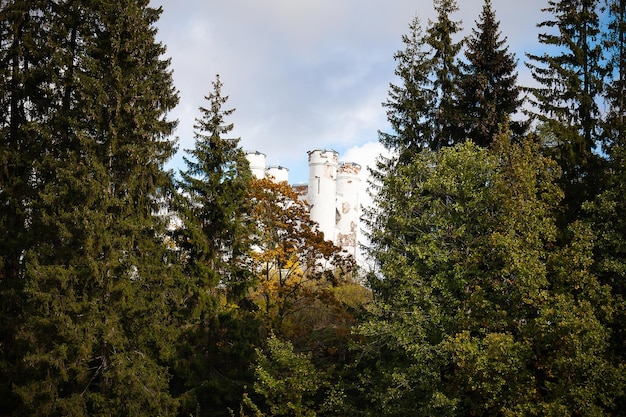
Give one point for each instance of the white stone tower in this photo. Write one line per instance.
(322, 190)
(348, 185)
(256, 160)
(332, 193)
(277, 173)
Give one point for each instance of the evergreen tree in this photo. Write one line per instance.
(410, 104)
(615, 92)
(607, 213)
(445, 74)
(215, 210)
(99, 284)
(571, 79)
(214, 240)
(488, 94)
(25, 53)
(422, 109)
(477, 311)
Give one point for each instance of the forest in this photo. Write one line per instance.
(495, 279)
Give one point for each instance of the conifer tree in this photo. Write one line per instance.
(615, 91)
(216, 213)
(570, 77)
(100, 287)
(214, 240)
(24, 57)
(410, 104)
(607, 213)
(445, 74)
(422, 109)
(488, 94)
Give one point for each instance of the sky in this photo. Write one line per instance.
(306, 74)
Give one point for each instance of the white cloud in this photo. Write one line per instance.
(365, 155)
(306, 74)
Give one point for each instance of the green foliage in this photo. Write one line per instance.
(286, 380)
(91, 329)
(570, 74)
(477, 311)
(488, 91)
(410, 104)
(289, 384)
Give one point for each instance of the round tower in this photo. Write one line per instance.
(322, 189)
(256, 160)
(348, 185)
(278, 173)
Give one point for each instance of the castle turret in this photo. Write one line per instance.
(332, 193)
(321, 194)
(278, 173)
(348, 184)
(256, 160)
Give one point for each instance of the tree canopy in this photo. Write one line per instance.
(477, 311)
(497, 247)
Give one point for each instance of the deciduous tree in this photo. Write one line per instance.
(286, 381)
(296, 267)
(477, 311)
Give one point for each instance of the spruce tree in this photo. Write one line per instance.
(411, 102)
(214, 240)
(100, 287)
(488, 93)
(216, 213)
(570, 78)
(615, 90)
(25, 53)
(445, 74)
(422, 109)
